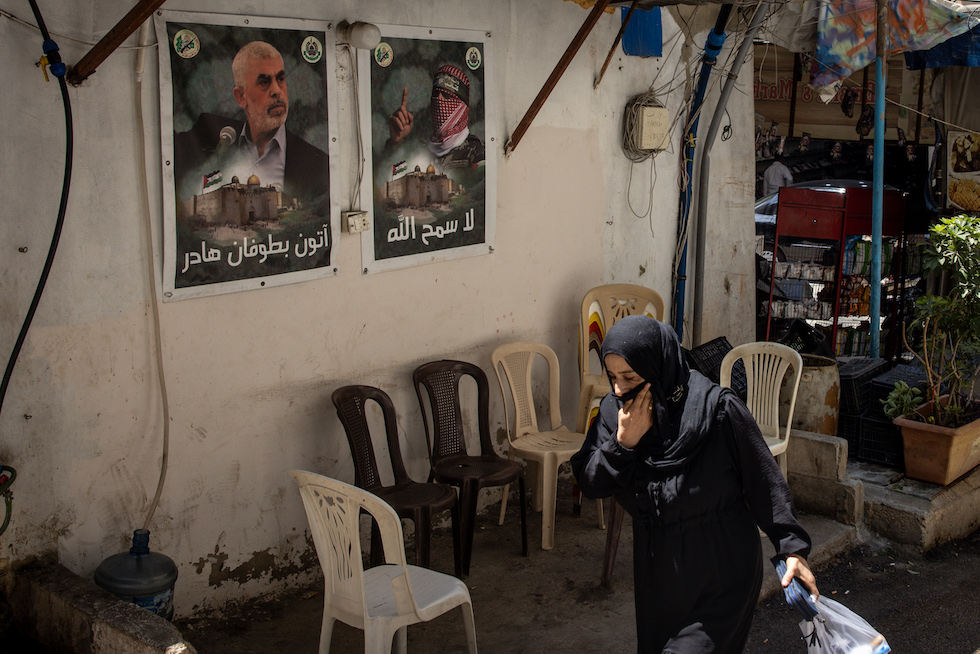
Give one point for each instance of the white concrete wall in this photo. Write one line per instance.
(249, 375)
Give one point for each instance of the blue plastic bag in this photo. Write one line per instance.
(796, 595)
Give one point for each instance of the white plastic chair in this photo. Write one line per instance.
(546, 449)
(602, 307)
(766, 365)
(385, 599)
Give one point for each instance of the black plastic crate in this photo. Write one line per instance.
(855, 382)
(740, 384)
(881, 443)
(707, 358)
(805, 339)
(910, 373)
(849, 428)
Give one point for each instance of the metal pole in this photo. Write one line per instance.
(112, 40)
(877, 198)
(761, 11)
(712, 48)
(566, 59)
(619, 37)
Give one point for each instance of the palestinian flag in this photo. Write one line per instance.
(211, 179)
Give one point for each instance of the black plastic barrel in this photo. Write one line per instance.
(140, 576)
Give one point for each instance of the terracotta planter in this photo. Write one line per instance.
(938, 455)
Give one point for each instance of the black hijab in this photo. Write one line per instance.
(685, 403)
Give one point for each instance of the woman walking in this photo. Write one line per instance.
(687, 461)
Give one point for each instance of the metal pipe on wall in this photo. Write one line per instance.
(712, 48)
(761, 11)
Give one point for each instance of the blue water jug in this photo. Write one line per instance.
(140, 576)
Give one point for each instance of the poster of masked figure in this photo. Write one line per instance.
(245, 138)
(433, 150)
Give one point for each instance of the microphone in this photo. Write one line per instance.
(226, 137)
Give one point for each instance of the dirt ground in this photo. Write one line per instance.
(919, 603)
(551, 601)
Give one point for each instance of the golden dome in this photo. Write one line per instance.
(253, 180)
(430, 169)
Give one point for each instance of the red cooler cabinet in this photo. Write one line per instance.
(822, 261)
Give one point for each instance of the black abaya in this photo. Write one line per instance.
(696, 497)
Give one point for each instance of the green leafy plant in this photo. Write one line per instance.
(949, 350)
(902, 400)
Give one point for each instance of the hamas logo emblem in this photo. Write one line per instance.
(186, 44)
(312, 50)
(473, 58)
(384, 55)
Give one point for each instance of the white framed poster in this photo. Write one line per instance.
(963, 170)
(246, 109)
(433, 173)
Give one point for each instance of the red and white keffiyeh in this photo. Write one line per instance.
(450, 109)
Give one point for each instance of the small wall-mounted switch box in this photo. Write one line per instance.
(355, 221)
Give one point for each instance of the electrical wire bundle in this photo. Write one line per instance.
(631, 123)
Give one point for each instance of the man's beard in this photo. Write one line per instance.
(265, 122)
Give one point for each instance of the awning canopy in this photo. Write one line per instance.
(962, 50)
(840, 34)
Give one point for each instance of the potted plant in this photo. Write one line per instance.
(941, 438)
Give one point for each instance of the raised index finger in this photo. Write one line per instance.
(404, 98)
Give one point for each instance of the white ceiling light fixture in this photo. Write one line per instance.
(359, 35)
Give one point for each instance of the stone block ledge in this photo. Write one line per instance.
(817, 475)
(67, 613)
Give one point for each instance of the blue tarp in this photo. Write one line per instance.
(962, 50)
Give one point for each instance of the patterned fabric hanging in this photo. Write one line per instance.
(846, 32)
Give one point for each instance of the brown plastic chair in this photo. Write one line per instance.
(410, 499)
(602, 307)
(451, 464)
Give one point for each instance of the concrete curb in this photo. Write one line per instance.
(66, 613)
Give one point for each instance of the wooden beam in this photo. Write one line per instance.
(101, 50)
(566, 59)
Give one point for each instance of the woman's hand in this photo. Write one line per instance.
(796, 566)
(635, 418)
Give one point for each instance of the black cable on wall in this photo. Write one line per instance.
(52, 57)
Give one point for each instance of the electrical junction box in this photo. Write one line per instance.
(355, 221)
(654, 128)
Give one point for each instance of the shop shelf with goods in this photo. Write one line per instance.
(821, 259)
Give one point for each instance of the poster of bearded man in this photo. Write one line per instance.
(432, 180)
(246, 108)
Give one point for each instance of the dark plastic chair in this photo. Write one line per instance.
(410, 499)
(447, 446)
